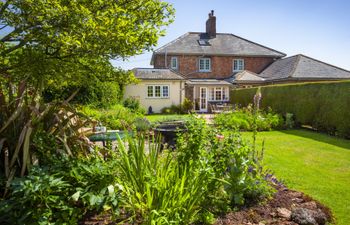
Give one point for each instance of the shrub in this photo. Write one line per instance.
(114, 117)
(173, 109)
(183, 108)
(289, 121)
(134, 105)
(187, 106)
(235, 167)
(208, 173)
(244, 119)
(33, 132)
(98, 94)
(63, 192)
(142, 124)
(324, 106)
(156, 187)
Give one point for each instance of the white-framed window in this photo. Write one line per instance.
(238, 65)
(158, 91)
(174, 63)
(218, 94)
(204, 65)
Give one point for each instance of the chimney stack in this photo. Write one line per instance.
(211, 25)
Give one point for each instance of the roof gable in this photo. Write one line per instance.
(246, 75)
(222, 44)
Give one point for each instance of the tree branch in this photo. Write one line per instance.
(13, 48)
(9, 36)
(3, 26)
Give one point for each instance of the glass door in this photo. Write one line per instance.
(203, 106)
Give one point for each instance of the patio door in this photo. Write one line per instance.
(203, 101)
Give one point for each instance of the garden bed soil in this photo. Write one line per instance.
(287, 207)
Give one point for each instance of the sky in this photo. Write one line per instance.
(317, 28)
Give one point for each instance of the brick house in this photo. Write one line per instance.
(212, 63)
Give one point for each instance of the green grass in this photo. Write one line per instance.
(166, 117)
(316, 164)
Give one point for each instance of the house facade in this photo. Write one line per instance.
(157, 88)
(209, 59)
(212, 63)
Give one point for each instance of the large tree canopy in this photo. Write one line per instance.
(115, 28)
(51, 39)
(62, 43)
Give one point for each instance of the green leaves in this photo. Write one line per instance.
(72, 42)
(157, 186)
(63, 192)
(76, 196)
(113, 28)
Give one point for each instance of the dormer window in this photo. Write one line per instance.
(173, 63)
(204, 65)
(238, 65)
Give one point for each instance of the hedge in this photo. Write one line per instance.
(324, 106)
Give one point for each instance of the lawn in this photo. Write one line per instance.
(316, 164)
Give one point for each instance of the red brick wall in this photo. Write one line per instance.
(221, 66)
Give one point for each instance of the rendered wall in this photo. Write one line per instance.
(139, 91)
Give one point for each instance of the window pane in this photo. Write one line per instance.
(150, 91)
(157, 91)
(201, 64)
(204, 64)
(238, 64)
(207, 65)
(225, 94)
(165, 91)
(218, 94)
(173, 63)
(211, 94)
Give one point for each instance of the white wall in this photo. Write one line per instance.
(139, 91)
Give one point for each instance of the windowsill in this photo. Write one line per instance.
(204, 71)
(236, 71)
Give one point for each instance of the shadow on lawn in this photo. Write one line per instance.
(321, 137)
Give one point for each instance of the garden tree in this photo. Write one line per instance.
(45, 38)
(59, 43)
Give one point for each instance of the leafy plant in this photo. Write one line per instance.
(64, 192)
(323, 106)
(25, 126)
(114, 117)
(245, 119)
(182, 108)
(289, 121)
(134, 105)
(156, 187)
(142, 124)
(237, 176)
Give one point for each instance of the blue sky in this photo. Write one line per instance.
(319, 29)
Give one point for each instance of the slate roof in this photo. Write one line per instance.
(223, 44)
(303, 67)
(156, 74)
